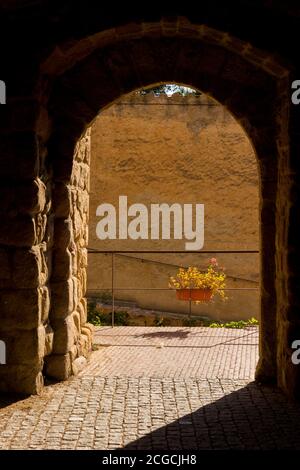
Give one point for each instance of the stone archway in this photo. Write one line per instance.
(75, 82)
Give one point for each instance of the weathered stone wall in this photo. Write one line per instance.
(88, 61)
(43, 271)
(26, 239)
(177, 150)
(68, 317)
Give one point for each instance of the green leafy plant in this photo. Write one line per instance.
(93, 314)
(121, 318)
(189, 322)
(98, 316)
(235, 324)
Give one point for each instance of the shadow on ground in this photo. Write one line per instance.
(178, 334)
(253, 417)
(7, 399)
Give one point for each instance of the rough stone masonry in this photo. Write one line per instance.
(42, 339)
(86, 62)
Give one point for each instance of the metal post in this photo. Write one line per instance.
(190, 308)
(112, 289)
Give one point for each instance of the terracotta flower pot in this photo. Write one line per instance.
(203, 295)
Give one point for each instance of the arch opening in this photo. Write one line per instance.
(248, 97)
(156, 147)
(71, 101)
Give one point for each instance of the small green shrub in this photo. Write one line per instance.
(253, 321)
(235, 324)
(93, 315)
(98, 317)
(121, 318)
(190, 322)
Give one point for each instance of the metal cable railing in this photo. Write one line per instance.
(115, 253)
(124, 254)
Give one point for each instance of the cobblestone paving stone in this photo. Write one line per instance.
(123, 407)
(176, 352)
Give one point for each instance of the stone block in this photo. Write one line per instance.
(49, 232)
(83, 283)
(62, 265)
(76, 173)
(20, 309)
(41, 224)
(21, 379)
(78, 365)
(25, 346)
(83, 202)
(63, 233)
(27, 268)
(19, 231)
(76, 287)
(78, 225)
(82, 310)
(84, 346)
(82, 257)
(90, 327)
(73, 352)
(62, 299)
(61, 200)
(58, 366)
(45, 304)
(76, 319)
(31, 197)
(65, 335)
(83, 148)
(87, 332)
(84, 177)
(49, 337)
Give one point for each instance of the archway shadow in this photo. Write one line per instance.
(25, 400)
(253, 417)
(8, 399)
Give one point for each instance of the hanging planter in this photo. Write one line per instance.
(198, 295)
(199, 286)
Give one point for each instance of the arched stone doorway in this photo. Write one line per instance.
(75, 81)
(154, 146)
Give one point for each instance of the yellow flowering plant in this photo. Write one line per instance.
(213, 279)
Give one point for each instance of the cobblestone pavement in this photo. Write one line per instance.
(176, 352)
(155, 406)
